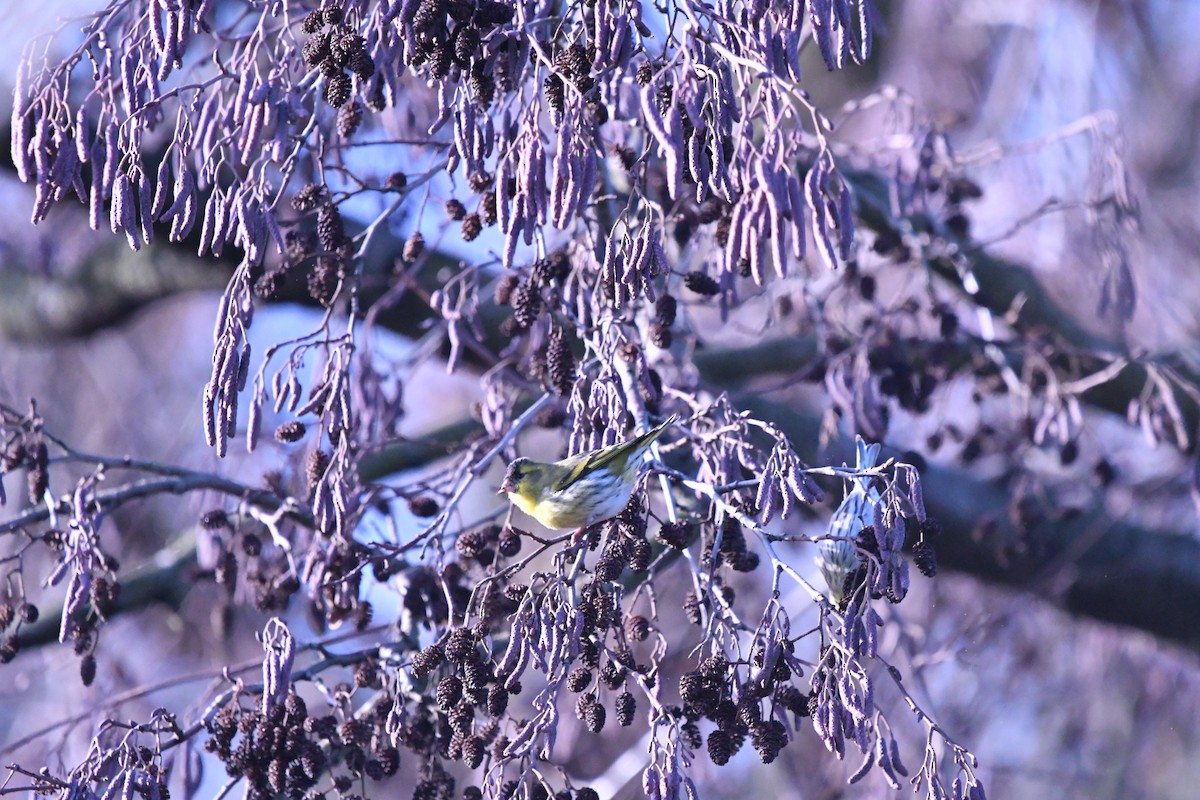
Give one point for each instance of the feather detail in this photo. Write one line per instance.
(619, 456)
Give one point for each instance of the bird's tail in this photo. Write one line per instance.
(652, 434)
(636, 446)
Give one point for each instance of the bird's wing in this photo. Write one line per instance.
(592, 462)
(598, 459)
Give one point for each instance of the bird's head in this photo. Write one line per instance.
(524, 479)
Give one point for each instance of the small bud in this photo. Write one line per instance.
(866, 287)
(251, 544)
(396, 181)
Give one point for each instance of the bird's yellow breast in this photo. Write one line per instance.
(581, 504)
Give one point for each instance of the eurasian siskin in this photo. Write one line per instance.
(580, 490)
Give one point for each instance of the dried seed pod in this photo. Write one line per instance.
(466, 43)
(87, 669)
(290, 431)
(701, 283)
(268, 286)
(472, 226)
(313, 22)
(307, 198)
(337, 89)
(488, 212)
(579, 679)
(505, 286)
(323, 280)
(720, 747)
(560, 363)
(555, 93)
(349, 118)
(414, 247)
(316, 50)
(637, 628)
(344, 46)
(493, 12)
(925, 558)
(645, 71)
(665, 310)
(330, 230)
(660, 335)
(318, 462)
(509, 543)
(362, 65)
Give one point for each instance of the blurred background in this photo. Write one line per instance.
(1039, 98)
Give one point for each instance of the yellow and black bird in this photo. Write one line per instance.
(580, 490)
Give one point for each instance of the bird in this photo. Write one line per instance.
(579, 490)
(838, 555)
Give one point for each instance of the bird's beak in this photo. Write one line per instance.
(506, 487)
